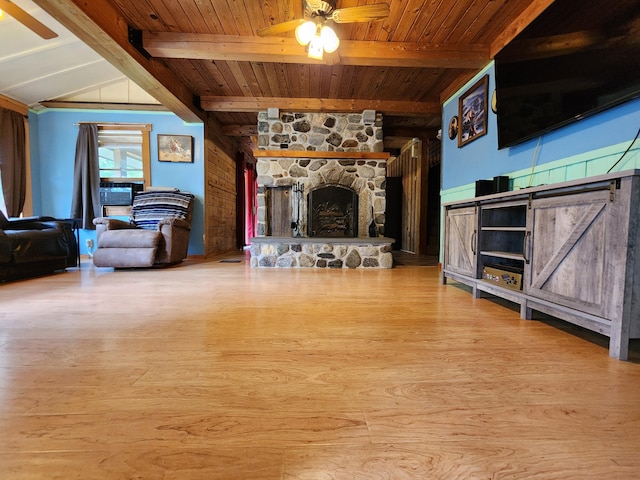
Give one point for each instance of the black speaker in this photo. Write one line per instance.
(500, 184)
(484, 187)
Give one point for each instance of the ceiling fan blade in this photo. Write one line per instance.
(27, 20)
(365, 13)
(280, 27)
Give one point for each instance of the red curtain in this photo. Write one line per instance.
(250, 189)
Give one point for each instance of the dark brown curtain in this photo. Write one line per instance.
(13, 162)
(85, 203)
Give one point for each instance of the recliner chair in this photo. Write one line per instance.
(157, 232)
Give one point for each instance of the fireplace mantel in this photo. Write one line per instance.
(320, 154)
(325, 240)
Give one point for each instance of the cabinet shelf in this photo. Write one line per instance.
(497, 254)
(504, 229)
(504, 218)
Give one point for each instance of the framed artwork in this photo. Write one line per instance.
(453, 127)
(175, 148)
(472, 112)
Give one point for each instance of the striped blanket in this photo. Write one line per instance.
(151, 207)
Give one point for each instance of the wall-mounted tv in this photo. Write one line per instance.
(577, 58)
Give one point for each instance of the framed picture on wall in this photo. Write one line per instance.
(175, 148)
(472, 112)
(453, 127)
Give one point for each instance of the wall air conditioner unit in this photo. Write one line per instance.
(118, 193)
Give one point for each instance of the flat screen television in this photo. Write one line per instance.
(576, 59)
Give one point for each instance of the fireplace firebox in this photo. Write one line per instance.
(332, 212)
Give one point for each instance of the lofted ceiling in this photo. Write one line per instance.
(196, 56)
(36, 69)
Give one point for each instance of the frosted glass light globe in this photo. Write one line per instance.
(315, 48)
(305, 32)
(329, 39)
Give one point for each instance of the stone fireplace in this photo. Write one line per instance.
(324, 175)
(364, 174)
(345, 191)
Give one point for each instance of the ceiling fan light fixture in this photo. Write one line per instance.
(305, 32)
(330, 40)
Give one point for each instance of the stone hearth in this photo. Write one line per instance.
(287, 252)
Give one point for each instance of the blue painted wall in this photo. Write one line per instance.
(585, 148)
(53, 141)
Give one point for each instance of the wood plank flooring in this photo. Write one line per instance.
(215, 370)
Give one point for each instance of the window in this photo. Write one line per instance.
(124, 153)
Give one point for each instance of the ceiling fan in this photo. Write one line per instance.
(27, 20)
(314, 30)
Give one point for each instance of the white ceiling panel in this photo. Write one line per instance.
(34, 70)
(47, 64)
(64, 83)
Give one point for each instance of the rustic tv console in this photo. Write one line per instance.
(573, 246)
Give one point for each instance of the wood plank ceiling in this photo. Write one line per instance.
(205, 54)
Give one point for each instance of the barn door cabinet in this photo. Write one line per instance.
(460, 246)
(573, 246)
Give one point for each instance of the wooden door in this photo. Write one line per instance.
(393, 213)
(408, 166)
(570, 259)
(461, 232)
(279, 212)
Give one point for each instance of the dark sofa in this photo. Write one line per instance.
(35, 246)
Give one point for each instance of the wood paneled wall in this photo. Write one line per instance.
(410, 166)
(220, 190)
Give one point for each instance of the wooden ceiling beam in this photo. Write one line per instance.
(99, 24)
(287, 50)
(11, 104)
(141, 107)
(258, 104)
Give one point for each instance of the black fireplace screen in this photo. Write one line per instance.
(333, 212)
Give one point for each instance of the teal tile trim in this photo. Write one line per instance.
(589, 164)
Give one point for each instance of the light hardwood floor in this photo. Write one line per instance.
(214, 371)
